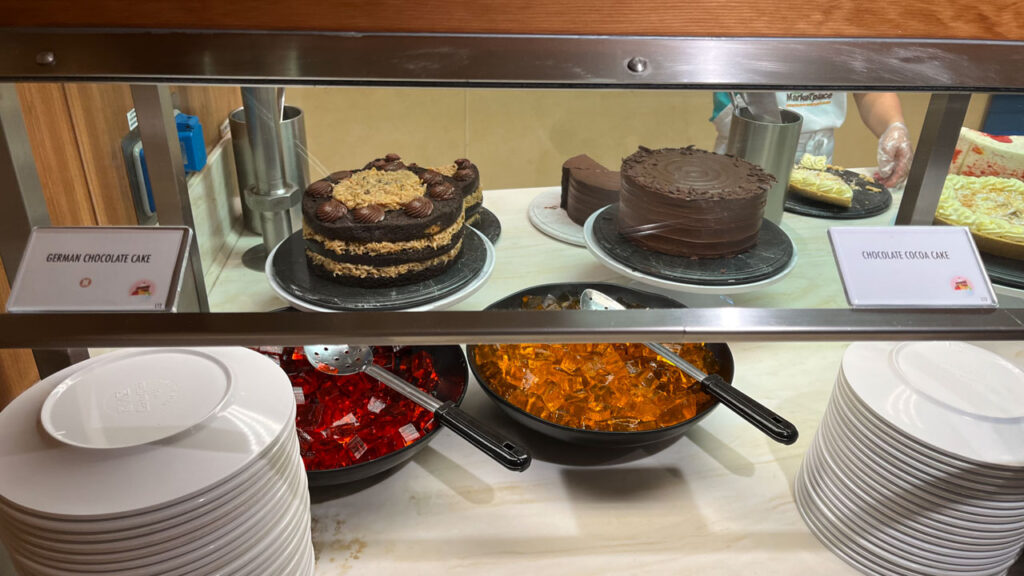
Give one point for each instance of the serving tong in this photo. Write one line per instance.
(774, 426)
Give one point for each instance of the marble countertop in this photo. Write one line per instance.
(719, 500)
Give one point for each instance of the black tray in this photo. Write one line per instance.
(631, 298)
(489, 225)
(768, 258)
(450, 364)
(293, 274)
(1004, 271)
(864, 204)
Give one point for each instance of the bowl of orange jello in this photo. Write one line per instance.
(620, 394)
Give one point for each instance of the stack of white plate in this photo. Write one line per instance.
(172, 461)
(918, 467)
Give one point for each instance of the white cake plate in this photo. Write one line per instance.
(448, 301)
(595, 249)
(546, 215)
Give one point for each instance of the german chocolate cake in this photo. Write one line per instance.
(386, 224)
(465, 176)
(690, 202)
(587, 186)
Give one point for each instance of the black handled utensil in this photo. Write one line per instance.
(776, 427)
(344, 359)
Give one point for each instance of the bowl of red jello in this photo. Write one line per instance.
(352, 427)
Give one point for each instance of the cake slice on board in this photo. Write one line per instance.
(820, 186)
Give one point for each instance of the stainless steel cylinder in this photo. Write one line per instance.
(274, 196)
(771, 146)
(296, 161)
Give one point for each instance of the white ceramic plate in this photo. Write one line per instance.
(546, 215)
(842, 468)
(899, 542)
(54, 479)
(102, 407)
(842, 497)
(915, 498)
(997, 478)
(156, 519)
(595, 249)
(864, 495)
(894, 556)
(452, 299)
(850, 551)
(262, 530)
(951, 511)
(180, 539)
(65, 546)
(958, 398)
(858, 432)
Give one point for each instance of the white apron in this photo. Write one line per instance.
(823, 112)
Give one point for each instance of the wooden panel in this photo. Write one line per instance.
(211, 104)
(98, 114)
(48, 120)
(17, 367)
(996, 19)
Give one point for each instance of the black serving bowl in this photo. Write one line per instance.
(631, 299)
(450, 365)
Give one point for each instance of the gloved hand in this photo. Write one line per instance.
(894, 155)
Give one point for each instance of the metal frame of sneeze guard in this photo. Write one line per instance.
(949, 68)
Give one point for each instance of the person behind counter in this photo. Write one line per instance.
(823, 112)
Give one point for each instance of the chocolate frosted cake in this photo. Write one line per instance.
(387, 224)
(689, 202)
(587, 186)
(465, 176)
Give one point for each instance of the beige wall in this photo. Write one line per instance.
(520, 138)
(856, 145)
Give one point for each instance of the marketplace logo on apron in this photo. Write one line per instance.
(803, 99)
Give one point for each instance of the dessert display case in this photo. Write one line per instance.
(717, 500)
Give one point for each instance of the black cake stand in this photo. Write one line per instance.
(488, 224)
(1004, 271)
(864, 204)
(769, 261)
(290, 278)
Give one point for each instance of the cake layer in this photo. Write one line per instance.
(689, 202)
(378, 276)
(387, 253)
(587, 186)
(473, 201)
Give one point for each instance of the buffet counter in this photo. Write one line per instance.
(717, 501)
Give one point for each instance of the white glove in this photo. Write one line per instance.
(894, 155)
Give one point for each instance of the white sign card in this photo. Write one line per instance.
(92, 269)
(911, 267)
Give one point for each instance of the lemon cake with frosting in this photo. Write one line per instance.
(991, 207)
(386, 224)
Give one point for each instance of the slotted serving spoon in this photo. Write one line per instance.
(776, 427)
(344, 359)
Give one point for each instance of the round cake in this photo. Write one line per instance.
(387, 224)
(690, 202)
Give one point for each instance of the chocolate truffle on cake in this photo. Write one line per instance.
(690, 202)
(382, 225)
(587, 186)
(465, 177)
